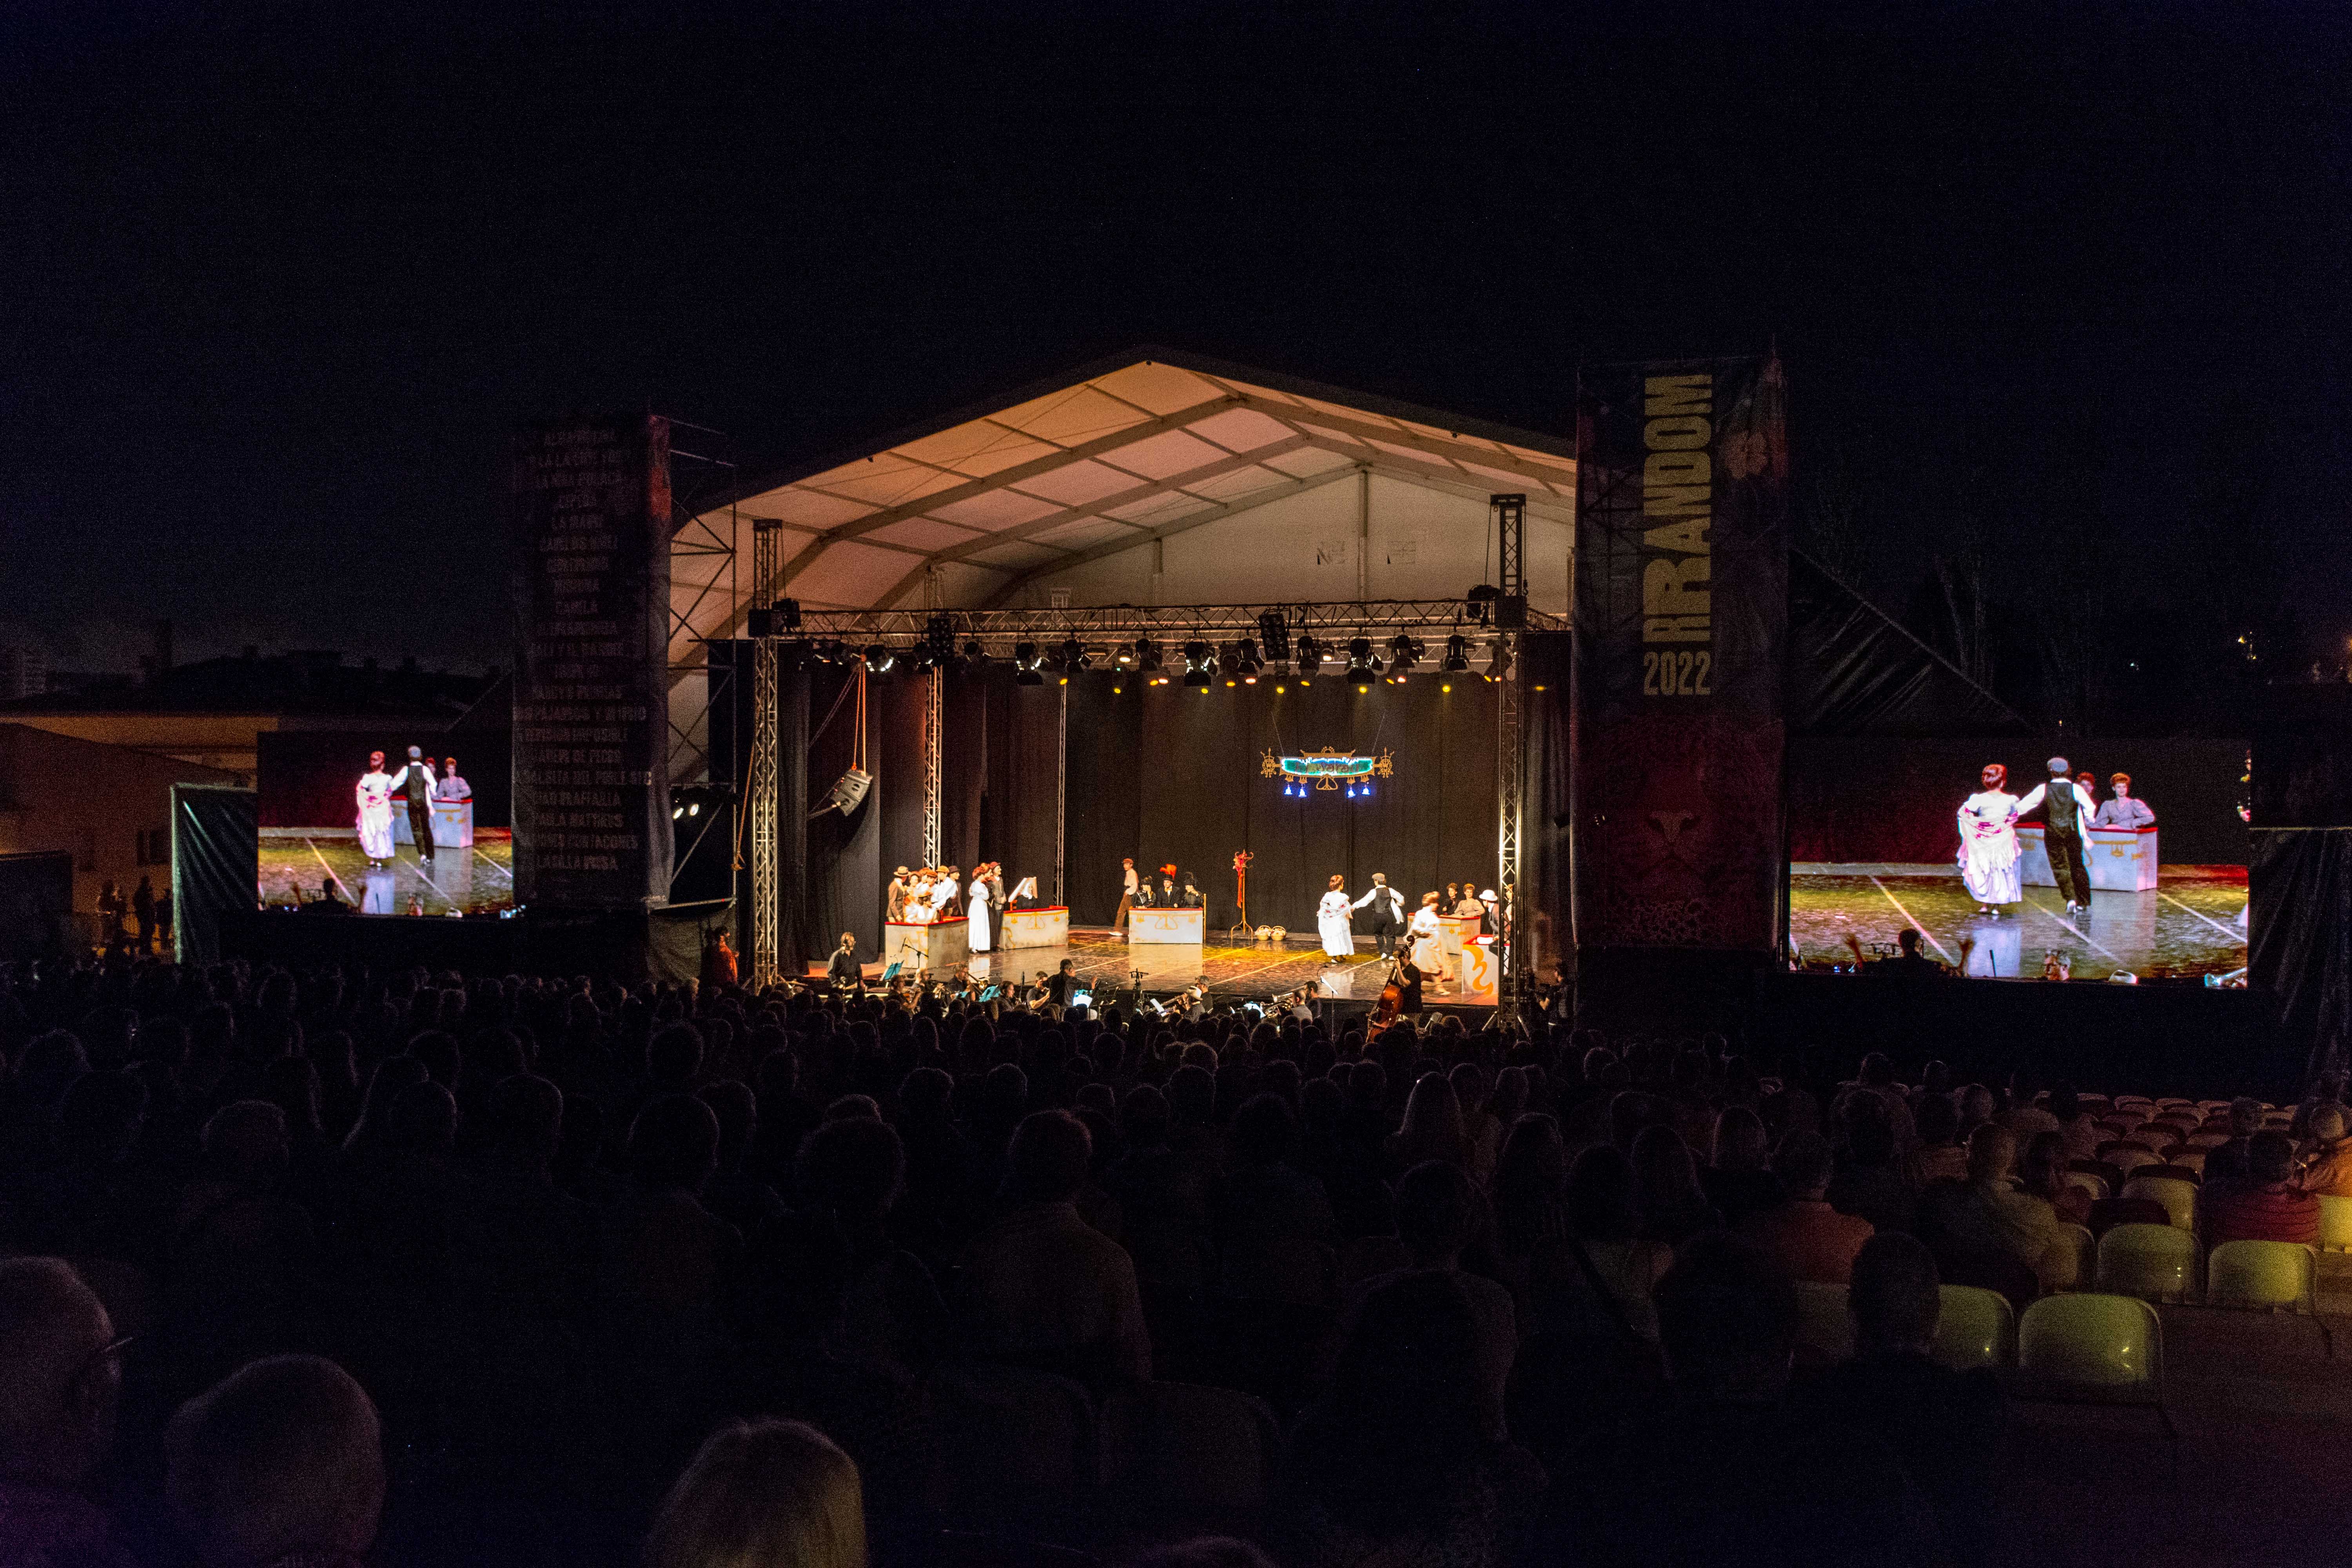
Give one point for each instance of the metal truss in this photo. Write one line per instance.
(760, 792)
(703, 548)
(998, 630)
(934, 719)
(1510, 512)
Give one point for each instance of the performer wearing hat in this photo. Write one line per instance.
(1988, 824)
(894, 902)
(2066, 831)
(1388, 913)
(415, 782)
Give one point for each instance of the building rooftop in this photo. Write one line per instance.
(305, 681)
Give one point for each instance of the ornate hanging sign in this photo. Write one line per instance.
(1326, 769)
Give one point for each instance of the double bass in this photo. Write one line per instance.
(1392, 995)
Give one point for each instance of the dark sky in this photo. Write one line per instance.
(275, 281)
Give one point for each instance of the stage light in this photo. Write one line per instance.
(1074, 655)
(938, 641)
(1498, 663)
(1457, 655)
(1026, 660)
(1361, 666)
(1307, 657)
(1403, 653)
(1147, 655)
(1246, 659)
(1445, 686)
(879, 659)
(975, 656)
(1199, 665)
(1274, 632)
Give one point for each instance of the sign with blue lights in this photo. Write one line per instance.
(1327, 769)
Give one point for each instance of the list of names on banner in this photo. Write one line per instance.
(590, 592)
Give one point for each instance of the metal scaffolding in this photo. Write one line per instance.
(760, 802)
(998, 630)
(934, 718)
(1511, 618)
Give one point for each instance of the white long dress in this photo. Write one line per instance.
(978, 914)
(1331, 919)
(1988, 824)
(374, 798)
(1428, 940)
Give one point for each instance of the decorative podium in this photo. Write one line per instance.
(2121, 859)
(936, 946)
(1036, 928)
(1453, 933)
(1168, 925)
(453, 823)
(1479, 972)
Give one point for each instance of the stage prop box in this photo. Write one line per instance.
(453, 825)
(2121, 861)
(1167, 925)
(1477, 972)
(1036, 928)
(939, 945)
(1455, 934)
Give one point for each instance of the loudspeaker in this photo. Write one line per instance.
(849, 790)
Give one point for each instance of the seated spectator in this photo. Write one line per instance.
(2264, 1205)
(60, 1378)
(1987, 1213)
(760, 1493)
(2327, 1172)
(280, 1464)
(1665, 1184)
(1397, 1462)
(2076, 1126)
(1436, 1210)
(1041, 1287)
(2227, 1160)
(1271, 1220)
(1872, 1186)
(1432, 1127)
(1738, 1181)
(2042, 1174)
(1938, 1156)
(1944, 1426)
(1722, 1473)
(663, 1254)
(1804, 1236)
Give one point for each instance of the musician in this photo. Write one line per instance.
(1057, 988)
(842, 968)
(1407, 980)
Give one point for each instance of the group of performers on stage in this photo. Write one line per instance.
(934, 893)
(1988, 823)
(416, 787)
(1423, 953)
(1174, 890)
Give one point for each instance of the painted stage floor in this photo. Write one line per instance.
(1249, 969)
(481, 878)
(2188, 925)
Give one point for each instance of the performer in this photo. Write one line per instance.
(1428, 945)
(995, 875)
(414, 783)
(1167, 894)
(374, 797)
(978, 935)
(1988, 824)
(452, 786)
(1467, 906)
(842, 968)
(1190, 897)
(1388, 913)
(2066, 831)
(2125, 810)
(893, 901)
(1332, 918)
(1143, 897)
(1125, 899)
(1406, 976)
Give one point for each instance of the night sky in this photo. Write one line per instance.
(275, 281)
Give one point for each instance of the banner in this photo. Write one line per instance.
(1682, 571)
(588, 553)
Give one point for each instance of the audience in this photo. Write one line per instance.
(1804, 1234)
(2327, 1170)
(1987, 1213)
(2263, 1204)
(61, 1378)
(281, 1463)
(763, 1494)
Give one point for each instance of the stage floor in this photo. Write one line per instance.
(482, 877)
(2188, 925)
(1251, 970)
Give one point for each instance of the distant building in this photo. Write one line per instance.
(108, 806)
(211, 713)
(24, 672)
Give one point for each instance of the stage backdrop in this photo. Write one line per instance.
(305, 777)
(1681, 616)
(588, 565)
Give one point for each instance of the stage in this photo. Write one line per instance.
(295, 861)
(1252, 971)
(2188, 924)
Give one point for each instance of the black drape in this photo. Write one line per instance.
(845, 873)
(2299, 887)
(215, 862)
(1020, 803)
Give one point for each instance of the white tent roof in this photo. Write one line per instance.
(980, 510)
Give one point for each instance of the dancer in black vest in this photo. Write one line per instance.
(1388, 913)
(2065, 832)
(416, 781)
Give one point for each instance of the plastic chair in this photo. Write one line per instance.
(2191, 1160)
(1009, 1431)
(2173, 1101)
(2129, 1157)
(2334, 1224)
(2090, 1182)
(2072, 1259)
(2209, 1106)
(2095, 1349)
(2206, 1140)
(1976, 1328)
(2154, 1262)
(2109, 1213)
(2263, 1276)
(2141, 1099)
(1182, 1446)
(1824, 1326)
(2178, 1198)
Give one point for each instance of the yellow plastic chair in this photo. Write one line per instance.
(2170, 1102)
(1824, 1326)
(2263, 1277)
(2071, 1261)
(2132, 1158)
(2178, 1198)
(2153, 1262)
(2099, 1350)
(2206, 1140)
(2334, 1225)
(1976, 1328)
(2090, 1182)
(2190, 1159)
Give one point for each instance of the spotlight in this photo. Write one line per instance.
(1074, 656)
(1026, 660)
(1457, 655)
(975, 655)
(1146, 654)
(879, 659)
(1307, 657)
(1361, 666)
(1200, 663)
(1123, 657)
(1498, 664)
(1404, 652)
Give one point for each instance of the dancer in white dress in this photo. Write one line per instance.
(1331, 919)
(977, 912)
(1427, 937)
(374, 799)
(1988, 824)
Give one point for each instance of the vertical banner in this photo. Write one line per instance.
(1682, 573)
(588, 553)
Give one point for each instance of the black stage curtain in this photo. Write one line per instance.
(894, 704)
(846, 872)
(1545, 815)
(1861, 672)
(964, 750)
(215, 862)
(1019, 802)
(2299, 889)
(1104, 813)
